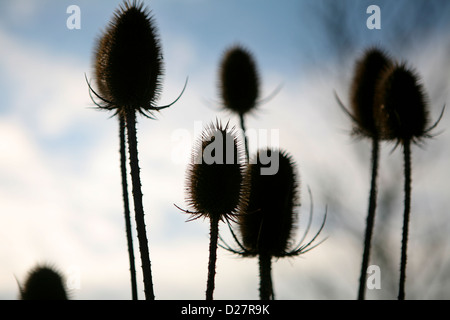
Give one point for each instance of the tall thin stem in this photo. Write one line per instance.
(265, 277)
(126, 206)
(370, 219)
(138, 207)
(214, 235)
(241, 117)
(406, 214)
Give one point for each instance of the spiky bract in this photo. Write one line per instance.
(129, 63)
(268, 218)
(239, 80)
(215, 175)
(367, 73)
(401, 112)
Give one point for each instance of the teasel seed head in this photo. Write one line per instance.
(43, 283)
(368, 71)
(267, 218)
(129, 63)
(401, 105)
(239, 80)
(214, 177)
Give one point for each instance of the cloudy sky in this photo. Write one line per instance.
(60, 192)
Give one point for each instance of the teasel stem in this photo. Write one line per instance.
(214, 235)
(406, 214)
(241, 117)
(265, 277)
(126, 206)
(138, 207)
(370, 221)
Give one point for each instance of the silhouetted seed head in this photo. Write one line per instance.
(100, 63)
(43, 283)
(215, 175)
(402, 112)
(239, 80)
(367, 73)
(267, 219)
(129, 61)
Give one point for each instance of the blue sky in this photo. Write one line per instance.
(60, 196)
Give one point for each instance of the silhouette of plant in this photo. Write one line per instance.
(366, 76)
(129, 68)
(100, 67)
(402, 116)
(267, 217)
(214, 181)
(239, 84)
(43, 283)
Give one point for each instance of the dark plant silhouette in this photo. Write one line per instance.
(100, 71)
(214, 181)
(129, 68)
(43, 283)
(239, 85)
(366, 76)
(402, 116)
(267, 216)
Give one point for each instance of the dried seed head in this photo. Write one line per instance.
(215, 175)
(129, 60)
(43, 283)
(100, 63)
(401, 107)
(367, 73)
(239, 80)
(267, 219)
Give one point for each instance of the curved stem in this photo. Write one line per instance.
(126, 206)
(265, 277)
(241, 117)
(370, 219)
(138, 207)
(406, 214)
(214, 235)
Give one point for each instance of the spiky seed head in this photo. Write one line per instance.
(100, 63)
(402, 111)
(129, 64)
(239, 80)
(214, 177)
(267, 218)
(43, 283)
(367, 73)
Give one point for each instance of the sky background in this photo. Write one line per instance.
(60, 191)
